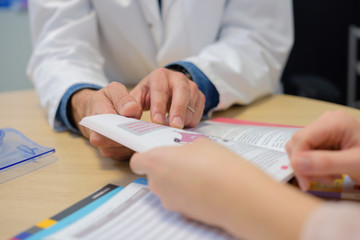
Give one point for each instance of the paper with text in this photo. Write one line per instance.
(136, 213)
(262, 136)
(264, 146)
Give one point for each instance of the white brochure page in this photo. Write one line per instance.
(136, 213)
(274, 163)
(263, 136)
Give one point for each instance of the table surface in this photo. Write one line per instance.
(80, 169)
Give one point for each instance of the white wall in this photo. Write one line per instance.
(15, 50)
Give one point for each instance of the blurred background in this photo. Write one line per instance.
(319, 65)
(323, 63)
(15, 45)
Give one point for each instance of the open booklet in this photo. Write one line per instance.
(134, 212)
(264, 146)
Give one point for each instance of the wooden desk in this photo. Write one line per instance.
(80, 170)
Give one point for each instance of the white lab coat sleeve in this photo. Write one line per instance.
(252, 48)
(65, 50)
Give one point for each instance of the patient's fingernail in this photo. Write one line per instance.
(178, 122)
(303, 184)
(159, 118)
(304, 164)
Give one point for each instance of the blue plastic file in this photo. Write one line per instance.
(19, 154)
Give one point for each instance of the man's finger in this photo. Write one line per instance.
(99, 140)
(124, 103)
(118, 153)
(141, 93)
(196, 103)
(179, 102)
(160, 94)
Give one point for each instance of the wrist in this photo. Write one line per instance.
(179, 68)
(270, 206)
(77, 106)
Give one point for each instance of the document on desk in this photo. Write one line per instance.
(136, 213)
(263, 146)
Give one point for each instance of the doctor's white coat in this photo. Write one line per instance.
(240, 45)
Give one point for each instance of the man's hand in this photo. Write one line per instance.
(166, 91)
(115, 99)
(162, 91)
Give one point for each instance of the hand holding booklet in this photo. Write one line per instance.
(263, 146)
(134, 212)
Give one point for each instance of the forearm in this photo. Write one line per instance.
(65, 53)
(334, 220)
(267, 210)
